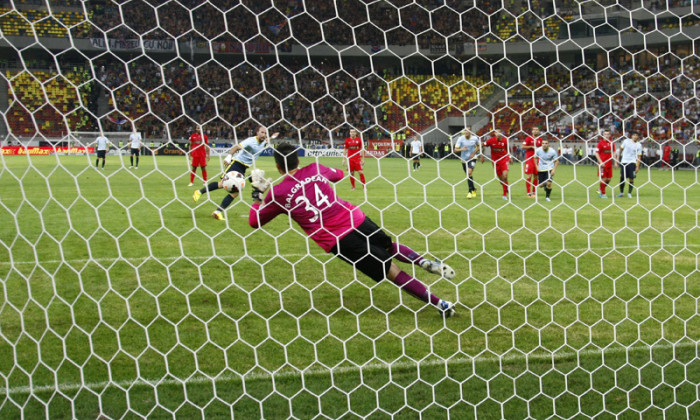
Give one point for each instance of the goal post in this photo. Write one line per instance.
(576, 283)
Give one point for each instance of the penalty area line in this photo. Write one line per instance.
(494, 252)
(199, 379)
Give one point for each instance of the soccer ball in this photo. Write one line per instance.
(233, 181)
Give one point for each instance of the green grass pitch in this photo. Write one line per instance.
(121, 297)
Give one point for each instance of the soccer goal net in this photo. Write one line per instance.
(576, 280)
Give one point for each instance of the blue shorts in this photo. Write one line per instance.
(235, 166)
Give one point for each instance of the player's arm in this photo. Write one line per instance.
(597, 156)
(260, 214)
(331, 174)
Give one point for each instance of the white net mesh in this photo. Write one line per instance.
(121, 298)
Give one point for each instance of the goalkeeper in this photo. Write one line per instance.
(339, 227)
(239, 158)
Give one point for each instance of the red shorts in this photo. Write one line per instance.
(355, 165)
(199, 161)
(530, 167)
(502, 166)
(605, 171)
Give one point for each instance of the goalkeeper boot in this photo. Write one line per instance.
(218, 215)
(438, 267)
(196, 195)
(447, 309)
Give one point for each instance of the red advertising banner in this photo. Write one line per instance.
(380, 148)
(43, 150)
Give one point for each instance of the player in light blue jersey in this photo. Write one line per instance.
(239, 159)
(469, 147)
(630, 159)
(547, 162)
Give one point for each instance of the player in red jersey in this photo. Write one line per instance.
(355, 157)
(666, 157)
(530, 166)
(500, 158)
(307, 196)
(604, 153)
(199, 152)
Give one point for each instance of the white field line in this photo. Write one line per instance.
(320, 254)
(198, 379)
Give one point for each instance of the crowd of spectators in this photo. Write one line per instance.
(311, 100)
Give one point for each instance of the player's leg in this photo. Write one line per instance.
(504, 182)
(218, 214)
(470, 181)
(204, 172)
(352, 179)
(409, 256)
(138, 155)
(193, 171)
(362, 178)
(131, 159)
(373, 258)
(623, 176)
(631, 175)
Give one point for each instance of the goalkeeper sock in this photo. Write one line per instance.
(415, 288)
(204, 174)
(225, 202)
(405, 254)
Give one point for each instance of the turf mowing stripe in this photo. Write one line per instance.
(318, 254)
(340, 370)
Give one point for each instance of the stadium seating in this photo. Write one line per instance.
(447, 95)
(29, 22)
(48, 98)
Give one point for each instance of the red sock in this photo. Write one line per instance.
(362, 178)
(204, 174)
(535, 183)
(527, 186)
(192, 177)
(505, 187)
(352, 181)
(602, 187)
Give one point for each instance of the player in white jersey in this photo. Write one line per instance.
(469, 147)
(239, 159)
(135, 144)
(547, 161)
(630, 160)
(416, 151)
(102, 146)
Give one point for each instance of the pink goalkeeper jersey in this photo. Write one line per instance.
(309, 199)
